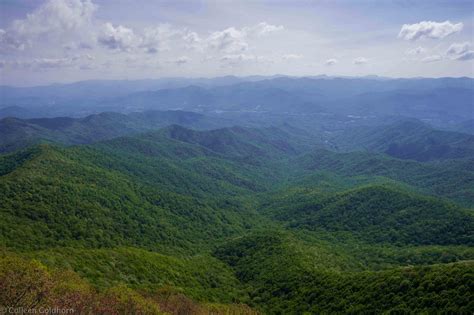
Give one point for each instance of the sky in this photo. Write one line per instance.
(59, 41)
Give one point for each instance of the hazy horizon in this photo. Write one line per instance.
(263, 77)
(64, 41)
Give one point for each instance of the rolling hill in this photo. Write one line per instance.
(234, 219)
(451, 178)
(408, 139)
(378, 214)
(274, 266)
(19, 133)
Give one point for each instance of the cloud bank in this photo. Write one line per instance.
(429, 29)
(460, 51)
(55, 36)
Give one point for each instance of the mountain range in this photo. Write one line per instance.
(258, 196)
(424, 99)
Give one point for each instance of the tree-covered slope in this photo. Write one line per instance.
(451, 178)
(58, 197)
(179, 188)
(29, 284)
(408, 139)
(201, 277)
(283, 281)
(265, 143)
(377, 214)
(150, 191)
(19, 133)
(238, 215)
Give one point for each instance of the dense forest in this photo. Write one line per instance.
(175, 212)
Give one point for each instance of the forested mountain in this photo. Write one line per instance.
(326, 168)
(275, 195)
(451, 178)
(19, 133)
(359, 98)
(418, 98)
(407, 139)
(285, 279)
(377, 214)
(235, 219)
(168, 170)
(93, 89)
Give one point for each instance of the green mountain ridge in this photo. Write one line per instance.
(287, 283)
(20, 133)
(451, 178)
(72, 203)
(408, 139)
(261, 217)
(379, 214)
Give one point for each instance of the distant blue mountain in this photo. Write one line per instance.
(442, 101)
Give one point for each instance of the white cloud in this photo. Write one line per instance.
(192, 40)
(433, 58)
(331, 62)
(54, 20)
(233, 40)
(70, 26)
(468, 55)
(161, 38)
(291, 57)
(57, 15)
(458, 48)
(229, 40)
(415, 51)
(262, 28)
(460, 51)
(118, 38)
(360, 61)
(429, 29)
(158, 38)
(8, 41)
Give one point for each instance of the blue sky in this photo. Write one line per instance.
(42, 42)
